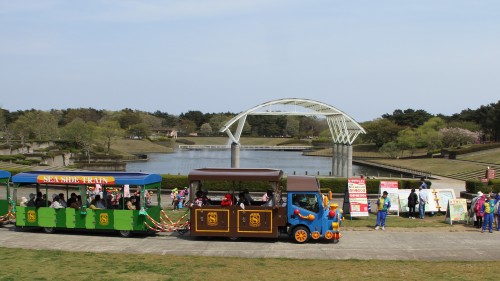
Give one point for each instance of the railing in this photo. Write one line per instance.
(244, 147)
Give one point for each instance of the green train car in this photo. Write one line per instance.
(5, 210)
(115, 188)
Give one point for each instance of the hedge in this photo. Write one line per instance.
(336, 185)
(473, 186)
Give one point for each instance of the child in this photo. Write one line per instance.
(383, 204)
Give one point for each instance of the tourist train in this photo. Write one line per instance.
(131, 203)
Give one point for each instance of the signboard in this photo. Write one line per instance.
(358, 201)
(438, 199)
(63, 179)
(392, 193)
(403, 200)
(456, 210)
(490, 174)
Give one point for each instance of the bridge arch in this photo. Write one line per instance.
(343, 128)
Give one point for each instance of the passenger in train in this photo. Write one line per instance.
(205, 199)
(248, 198)
(242, 201)
(227, 201)
(31, 201)
(62, 201)
(72, 199)
(271, 201)
(130, 205)
(55, 202)
(23, 201)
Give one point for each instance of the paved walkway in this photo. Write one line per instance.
(381, 245)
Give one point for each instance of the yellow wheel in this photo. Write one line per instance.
(300, 234)
(315, 235)
(329, 235)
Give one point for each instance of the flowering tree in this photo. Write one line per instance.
(457, 136)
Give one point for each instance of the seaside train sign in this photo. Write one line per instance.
(65, 179)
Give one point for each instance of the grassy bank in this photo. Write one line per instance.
(20, 264)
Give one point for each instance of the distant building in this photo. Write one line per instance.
(164, 132)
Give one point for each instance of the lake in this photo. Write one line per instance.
(291, 162)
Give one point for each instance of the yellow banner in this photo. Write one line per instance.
(61, 179)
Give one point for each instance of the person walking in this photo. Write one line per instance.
(412, 202)
(383, 204)
(421, 203)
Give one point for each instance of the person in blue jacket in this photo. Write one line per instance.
(383, 204)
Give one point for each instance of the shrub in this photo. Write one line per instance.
(495, 185)
(336, 185)
(473, 186)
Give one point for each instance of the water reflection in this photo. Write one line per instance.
(291, 162)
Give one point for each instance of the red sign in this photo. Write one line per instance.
(490, 174)
(62, 179)
(358, 201)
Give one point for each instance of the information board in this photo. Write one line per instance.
(456, 210)
(403, 200)
(438, 199)
(358, 201)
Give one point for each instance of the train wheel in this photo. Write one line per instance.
(300, 234)
(49, 229)
(125, 233)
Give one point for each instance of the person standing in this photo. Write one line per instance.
(487, 210)
(421, 203)
(412, 202)
(383, 204)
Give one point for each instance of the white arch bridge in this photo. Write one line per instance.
(344, 130)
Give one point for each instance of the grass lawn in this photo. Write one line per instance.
(21, 264)
(438, 166)
(397, 221)
(488, 156)
(138, 146)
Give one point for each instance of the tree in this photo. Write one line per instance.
(292, 126)
(407, 140)
(150, 120)
(86, 114)
(409, 117)
(45, 126)
(110, 131)
(457, 136)
(140, 130)
(81, 133)
(196, 116)
(167, 120)
(428, 133)
(380, 131)
(187, 127)
(128, 118)
(217, 121)
(206, 129)
(391, 149)
(21, 128)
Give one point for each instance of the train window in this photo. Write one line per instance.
(306, 201)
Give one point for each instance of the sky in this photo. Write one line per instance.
(365, 58)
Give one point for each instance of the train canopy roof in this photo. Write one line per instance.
(85, 177)
(4, 174)
(234, 174)
(302, 183)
